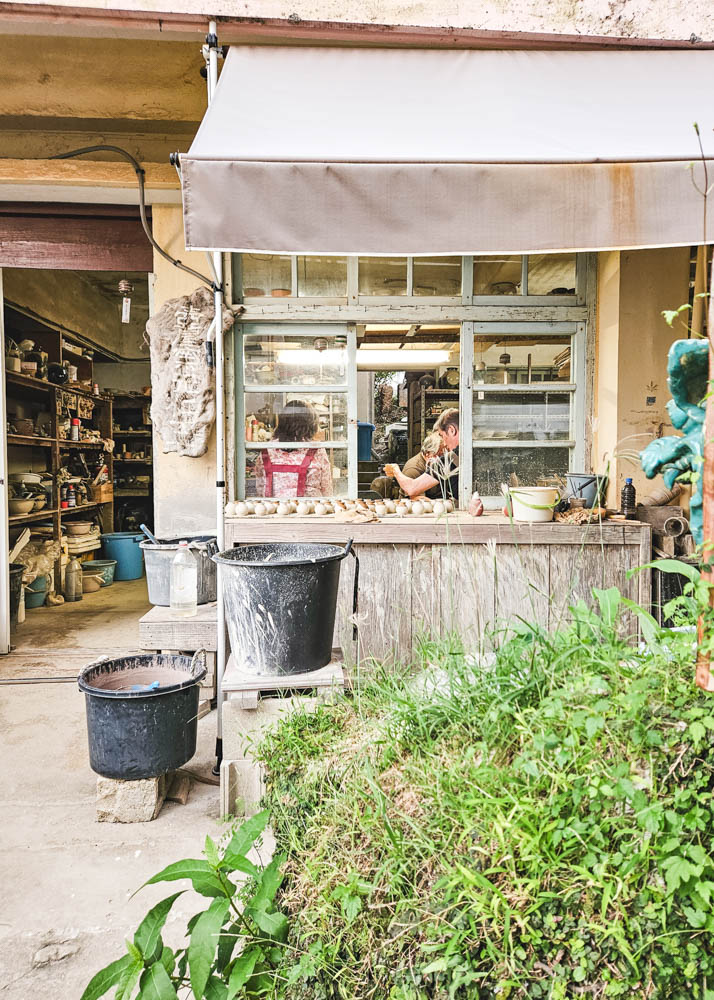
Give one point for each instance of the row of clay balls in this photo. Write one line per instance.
(244, 508)
(283, 508)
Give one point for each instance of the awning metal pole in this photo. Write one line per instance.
(217, 260)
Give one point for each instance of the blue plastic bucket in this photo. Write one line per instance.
(124, 547)
(364, 441)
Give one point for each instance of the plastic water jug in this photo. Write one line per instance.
(183, 592)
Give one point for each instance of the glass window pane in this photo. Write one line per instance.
(266, 274)
(326, 473)
(551, 274)
(437, 275)
(382, 275)
(292, 417)
(278, 359)
(322, 276)
(498, 275)
(521, 416)
(493, 466)
(521, 360)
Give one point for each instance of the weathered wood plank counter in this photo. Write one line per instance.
(426, 576)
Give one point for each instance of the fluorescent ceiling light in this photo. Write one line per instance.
(309, 356)
(370, 359)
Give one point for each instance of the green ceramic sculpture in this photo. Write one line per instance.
(688, 374)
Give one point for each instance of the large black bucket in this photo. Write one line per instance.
(280, 600)
(146, 732)
(16, 571)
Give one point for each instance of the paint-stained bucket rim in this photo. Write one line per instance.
(231, 557)
(194, 677)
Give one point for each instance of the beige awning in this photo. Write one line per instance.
(422, 151)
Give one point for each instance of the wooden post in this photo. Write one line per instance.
(704, 677)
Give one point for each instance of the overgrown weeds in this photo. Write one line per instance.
(536, 824)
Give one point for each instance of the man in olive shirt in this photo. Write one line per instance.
(440, 473)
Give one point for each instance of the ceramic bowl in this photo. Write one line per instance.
(90, 584)
(25, 477)
(78, 527)
(40, 502)
(18, 507)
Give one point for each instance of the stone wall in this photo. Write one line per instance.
(674, 19)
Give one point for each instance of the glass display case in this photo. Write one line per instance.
(498, 275)
(438, 276)
(382, 276)
(266, 274)
(322, 277)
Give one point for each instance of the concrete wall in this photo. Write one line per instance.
(123, 376)
(631, 357)
(184, 488)
(628, 18)
(67, 299)
(60, 93)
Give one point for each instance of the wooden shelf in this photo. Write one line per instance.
(27, 382)
(42, 385)
(134, 461)
(30, 441)
(37, 515)
(85, 506)
(132, 434)
(35, 441)
(66, 443)
(131, 493)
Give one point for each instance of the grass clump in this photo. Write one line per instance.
(537, 826)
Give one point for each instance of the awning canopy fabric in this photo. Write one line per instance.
(427, 152)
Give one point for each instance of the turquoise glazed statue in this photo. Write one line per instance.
(688, 376)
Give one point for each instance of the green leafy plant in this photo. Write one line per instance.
(536, 823)
(234, 946)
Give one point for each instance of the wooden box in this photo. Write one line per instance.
(103, 493)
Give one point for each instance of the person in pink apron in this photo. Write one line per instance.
(294, 472)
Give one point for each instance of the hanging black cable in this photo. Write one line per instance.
(140, 176)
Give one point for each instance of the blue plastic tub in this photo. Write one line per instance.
(124, 547)
(364, 441)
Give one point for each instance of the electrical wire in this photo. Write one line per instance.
(140, 176)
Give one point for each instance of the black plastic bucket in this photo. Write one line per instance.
(16, 571)
(142, 733)
(280, 600)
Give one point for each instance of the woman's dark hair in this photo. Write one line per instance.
(297, 421)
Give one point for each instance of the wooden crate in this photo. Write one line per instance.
(103, 493)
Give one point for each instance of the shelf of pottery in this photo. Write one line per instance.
(133, 459)
(60, 461)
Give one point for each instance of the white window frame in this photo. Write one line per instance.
(572, 333)
(348, 388)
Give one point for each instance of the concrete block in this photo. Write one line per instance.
(242, 726)
(242, 786)
(130, 801)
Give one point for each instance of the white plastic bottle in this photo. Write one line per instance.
(183, 592)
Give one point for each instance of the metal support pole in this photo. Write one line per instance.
(211, 53)
(703, 675)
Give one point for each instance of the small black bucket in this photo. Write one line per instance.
(280, 600)
(142, 713)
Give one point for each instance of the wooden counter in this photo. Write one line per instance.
(434, 576)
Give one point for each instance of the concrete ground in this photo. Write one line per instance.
(65, 880)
